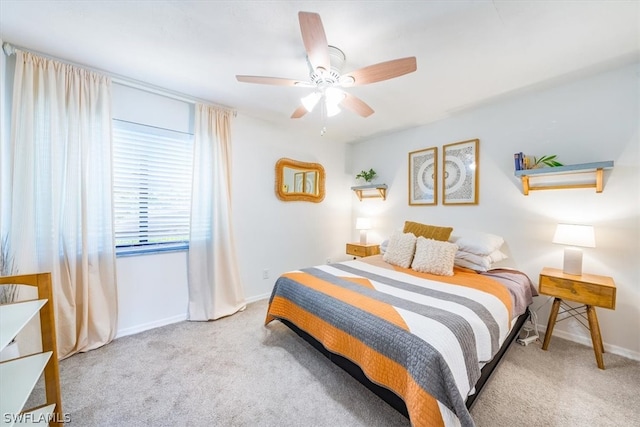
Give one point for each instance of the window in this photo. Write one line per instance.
(151, 188)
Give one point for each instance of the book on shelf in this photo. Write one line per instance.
(522, 161)
(518, 159)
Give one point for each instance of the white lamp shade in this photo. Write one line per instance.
(310, 101)
(332, 110)
(575, 235)
(363, 224)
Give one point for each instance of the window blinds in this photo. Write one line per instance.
(152, 187)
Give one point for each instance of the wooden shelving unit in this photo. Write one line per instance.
(20, 375)
(597, 168)
(371, 191)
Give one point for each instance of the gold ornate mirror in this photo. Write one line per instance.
(299, 181)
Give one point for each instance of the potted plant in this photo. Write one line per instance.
(8, 294)
(367, 175)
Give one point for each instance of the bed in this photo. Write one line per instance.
(424, 342)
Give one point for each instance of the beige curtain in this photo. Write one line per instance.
(59, 197)
(215, 289)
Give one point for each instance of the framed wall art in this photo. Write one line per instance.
(423, 177)
(460, 173)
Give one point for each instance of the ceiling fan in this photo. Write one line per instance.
(325, 68)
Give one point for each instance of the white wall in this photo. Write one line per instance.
(280, 236)
(7, 65)
(593, 119)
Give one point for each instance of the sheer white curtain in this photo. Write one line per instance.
(215, 289)
(59, 198)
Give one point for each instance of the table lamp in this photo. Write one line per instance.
(574, 235)
(363, 224)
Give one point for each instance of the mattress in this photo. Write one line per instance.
(424, 337)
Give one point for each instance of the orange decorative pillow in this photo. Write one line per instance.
(428, 231)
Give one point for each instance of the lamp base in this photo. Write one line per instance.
(363, 237)
(572, 261)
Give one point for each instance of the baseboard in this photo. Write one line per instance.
(258, 298)
(151, 325)
(586, 340)
(169, 320)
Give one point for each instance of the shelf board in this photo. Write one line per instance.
(556, 170)
(19, 376)
(36, 416)
(381, 191)
(596, 167)
(15, 316)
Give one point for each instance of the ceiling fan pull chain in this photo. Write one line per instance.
(323, 115)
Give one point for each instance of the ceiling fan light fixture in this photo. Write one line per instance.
(310, 101)
(332, 109)
(334, 96)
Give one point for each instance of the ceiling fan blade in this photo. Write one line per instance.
(356, 105)
(276, 81)
(382, 71)
(299, 112)
(315, 40)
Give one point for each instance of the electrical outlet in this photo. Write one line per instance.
(328, 260)
(265, 274)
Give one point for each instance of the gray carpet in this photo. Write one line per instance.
(236, 372)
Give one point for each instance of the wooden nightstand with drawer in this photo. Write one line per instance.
(362, 250)
(588, 289)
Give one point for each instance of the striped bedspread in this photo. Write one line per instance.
(422, 336)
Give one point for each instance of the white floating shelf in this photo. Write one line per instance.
(15, 316)
(19, 376)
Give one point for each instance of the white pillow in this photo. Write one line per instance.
(400, 249)
(476, 242)
(479, 262)
(497, 256)
(434, 256)
(470, 265)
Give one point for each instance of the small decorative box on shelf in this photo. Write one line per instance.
(371, 191)
(597, 168)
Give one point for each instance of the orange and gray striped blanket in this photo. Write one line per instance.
(422, 336)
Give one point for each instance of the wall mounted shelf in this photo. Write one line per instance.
(371, 191)
(596, 168)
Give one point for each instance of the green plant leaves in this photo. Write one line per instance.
(549, 160)
(366, 175)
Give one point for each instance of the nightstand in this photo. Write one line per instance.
(590, 290)
(361, 250)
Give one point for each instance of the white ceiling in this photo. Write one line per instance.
(468, 52)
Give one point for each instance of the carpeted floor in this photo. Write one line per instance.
(237, 372)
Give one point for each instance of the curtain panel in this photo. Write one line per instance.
(60, 198)
(215, 289)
